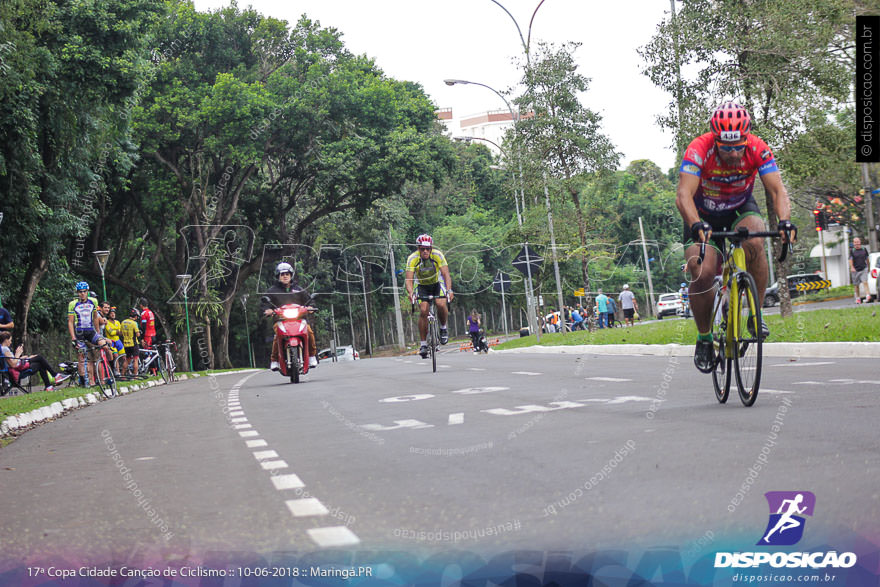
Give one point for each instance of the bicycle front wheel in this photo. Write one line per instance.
(432, 344)
(747, 357)
(104, 374)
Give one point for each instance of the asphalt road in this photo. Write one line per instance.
(491, 453)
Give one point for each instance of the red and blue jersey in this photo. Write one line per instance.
(723, 189)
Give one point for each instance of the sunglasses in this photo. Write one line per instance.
(424, 248)
(730, 148)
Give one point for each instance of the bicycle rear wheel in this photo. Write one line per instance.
(748, 356)
(160, 367)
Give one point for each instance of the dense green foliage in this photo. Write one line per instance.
(215, 144)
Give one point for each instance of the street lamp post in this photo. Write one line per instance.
(102, 257)
(247, 330)
(184, 283)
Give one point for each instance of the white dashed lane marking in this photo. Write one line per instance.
(262, 455)
(269, 460)
(794, 364)
(290, 481)
(456, 418)
(525, 373)
(333, 536)
(307, 506)
(613, 379)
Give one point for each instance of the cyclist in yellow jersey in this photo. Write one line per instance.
(130, 335)
(427, 265)
(111, 330)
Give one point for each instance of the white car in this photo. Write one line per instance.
(873, 274)
(343, 353)
(668, 304)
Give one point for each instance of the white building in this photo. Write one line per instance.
(487, 127)
(836, 265)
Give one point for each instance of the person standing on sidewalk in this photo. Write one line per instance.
(602, 309)
(858, 265)
(628, 304)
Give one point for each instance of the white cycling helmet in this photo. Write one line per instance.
(283, 268)
(625, 286)
(425, 240)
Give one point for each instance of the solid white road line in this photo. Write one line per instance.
(794, 364)
(333, 536)
(308, 506)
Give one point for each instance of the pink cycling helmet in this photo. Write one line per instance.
(730, 123)
(425, 240)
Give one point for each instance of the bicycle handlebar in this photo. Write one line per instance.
(741, 235)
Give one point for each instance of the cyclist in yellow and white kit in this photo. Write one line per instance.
(427, 265)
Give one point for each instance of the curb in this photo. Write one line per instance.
(26, 420)
(855, 350)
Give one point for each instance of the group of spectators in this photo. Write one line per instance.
(605, 309)
(87, 321)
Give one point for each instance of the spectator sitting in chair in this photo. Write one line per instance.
(19, 363)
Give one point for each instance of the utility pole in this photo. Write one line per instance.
(647, 268)
(400, 338)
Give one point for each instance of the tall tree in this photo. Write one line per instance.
(70, 69)
(563, 137)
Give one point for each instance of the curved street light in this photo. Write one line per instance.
(184, 280)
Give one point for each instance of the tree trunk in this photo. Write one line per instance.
(582, 234)
(36, 270)
(223, 334)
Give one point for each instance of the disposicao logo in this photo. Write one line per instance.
(785, 528)
(787, 511)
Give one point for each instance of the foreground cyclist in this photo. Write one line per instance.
(83, 322)
(715, 186)
(426, 265)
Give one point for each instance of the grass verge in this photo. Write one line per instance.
(860, 324)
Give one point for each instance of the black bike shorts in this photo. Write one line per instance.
(438, 290)
(723, 222)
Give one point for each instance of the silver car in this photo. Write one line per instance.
(343, 353)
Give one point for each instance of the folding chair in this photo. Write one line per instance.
(8, 383)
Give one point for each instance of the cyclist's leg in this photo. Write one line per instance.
(701, 294)
(756, 256)
(442, 311)
(423, 320)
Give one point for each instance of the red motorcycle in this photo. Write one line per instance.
(293, 335)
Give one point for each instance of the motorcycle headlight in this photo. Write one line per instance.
(290, 313)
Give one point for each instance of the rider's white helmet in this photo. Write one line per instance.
(283, 268)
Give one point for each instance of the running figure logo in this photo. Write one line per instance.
(786, 525)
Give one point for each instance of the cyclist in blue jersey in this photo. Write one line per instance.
(83, 323)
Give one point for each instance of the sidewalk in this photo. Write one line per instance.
(855, 350)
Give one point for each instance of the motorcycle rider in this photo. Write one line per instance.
(287, 291)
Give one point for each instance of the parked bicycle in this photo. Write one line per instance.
(103, 365)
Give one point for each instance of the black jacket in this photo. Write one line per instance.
(281, 295)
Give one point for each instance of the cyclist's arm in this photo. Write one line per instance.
(773, 185)
(408, 282)
(444, 271)
(70, 322)
(684, 199)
